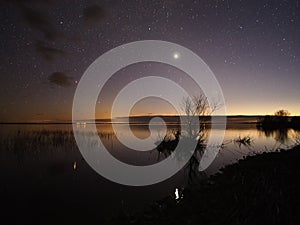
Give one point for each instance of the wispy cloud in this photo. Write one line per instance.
(48, 53)
(34, 14)
(61, 79)
(39, 21)
(93, 14)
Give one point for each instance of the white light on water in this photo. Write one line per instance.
(74, 165)
(176, 194)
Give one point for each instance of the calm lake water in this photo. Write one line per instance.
(44, 178)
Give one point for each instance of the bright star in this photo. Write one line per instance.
(176, 56)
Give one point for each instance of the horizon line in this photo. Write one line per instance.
(121, 117)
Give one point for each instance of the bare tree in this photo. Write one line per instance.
(197, 108)
(282, 113)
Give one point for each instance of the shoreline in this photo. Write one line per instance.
(258, 189)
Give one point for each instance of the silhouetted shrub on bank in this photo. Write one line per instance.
(280, 119)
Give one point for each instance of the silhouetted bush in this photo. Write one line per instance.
(280, 119)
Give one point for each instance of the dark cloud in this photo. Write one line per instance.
(39, 21)
(34, 13)
(61, 79)
(93, 14)
(48, 53)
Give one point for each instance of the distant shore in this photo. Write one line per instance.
(145, 119)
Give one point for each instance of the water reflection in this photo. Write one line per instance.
(21, 140)
(178, 194)
(74, 165)
(280, 135)
(245, 141)
(37, 164)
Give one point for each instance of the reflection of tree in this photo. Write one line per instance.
(280, 135)
(276, 126)
(197, 112)
(170, 142)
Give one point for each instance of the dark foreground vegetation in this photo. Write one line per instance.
(261, 189)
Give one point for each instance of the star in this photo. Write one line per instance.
(176, 55)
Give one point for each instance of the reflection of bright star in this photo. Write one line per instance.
(176, 55)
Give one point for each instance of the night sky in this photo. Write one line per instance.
(253, 48)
